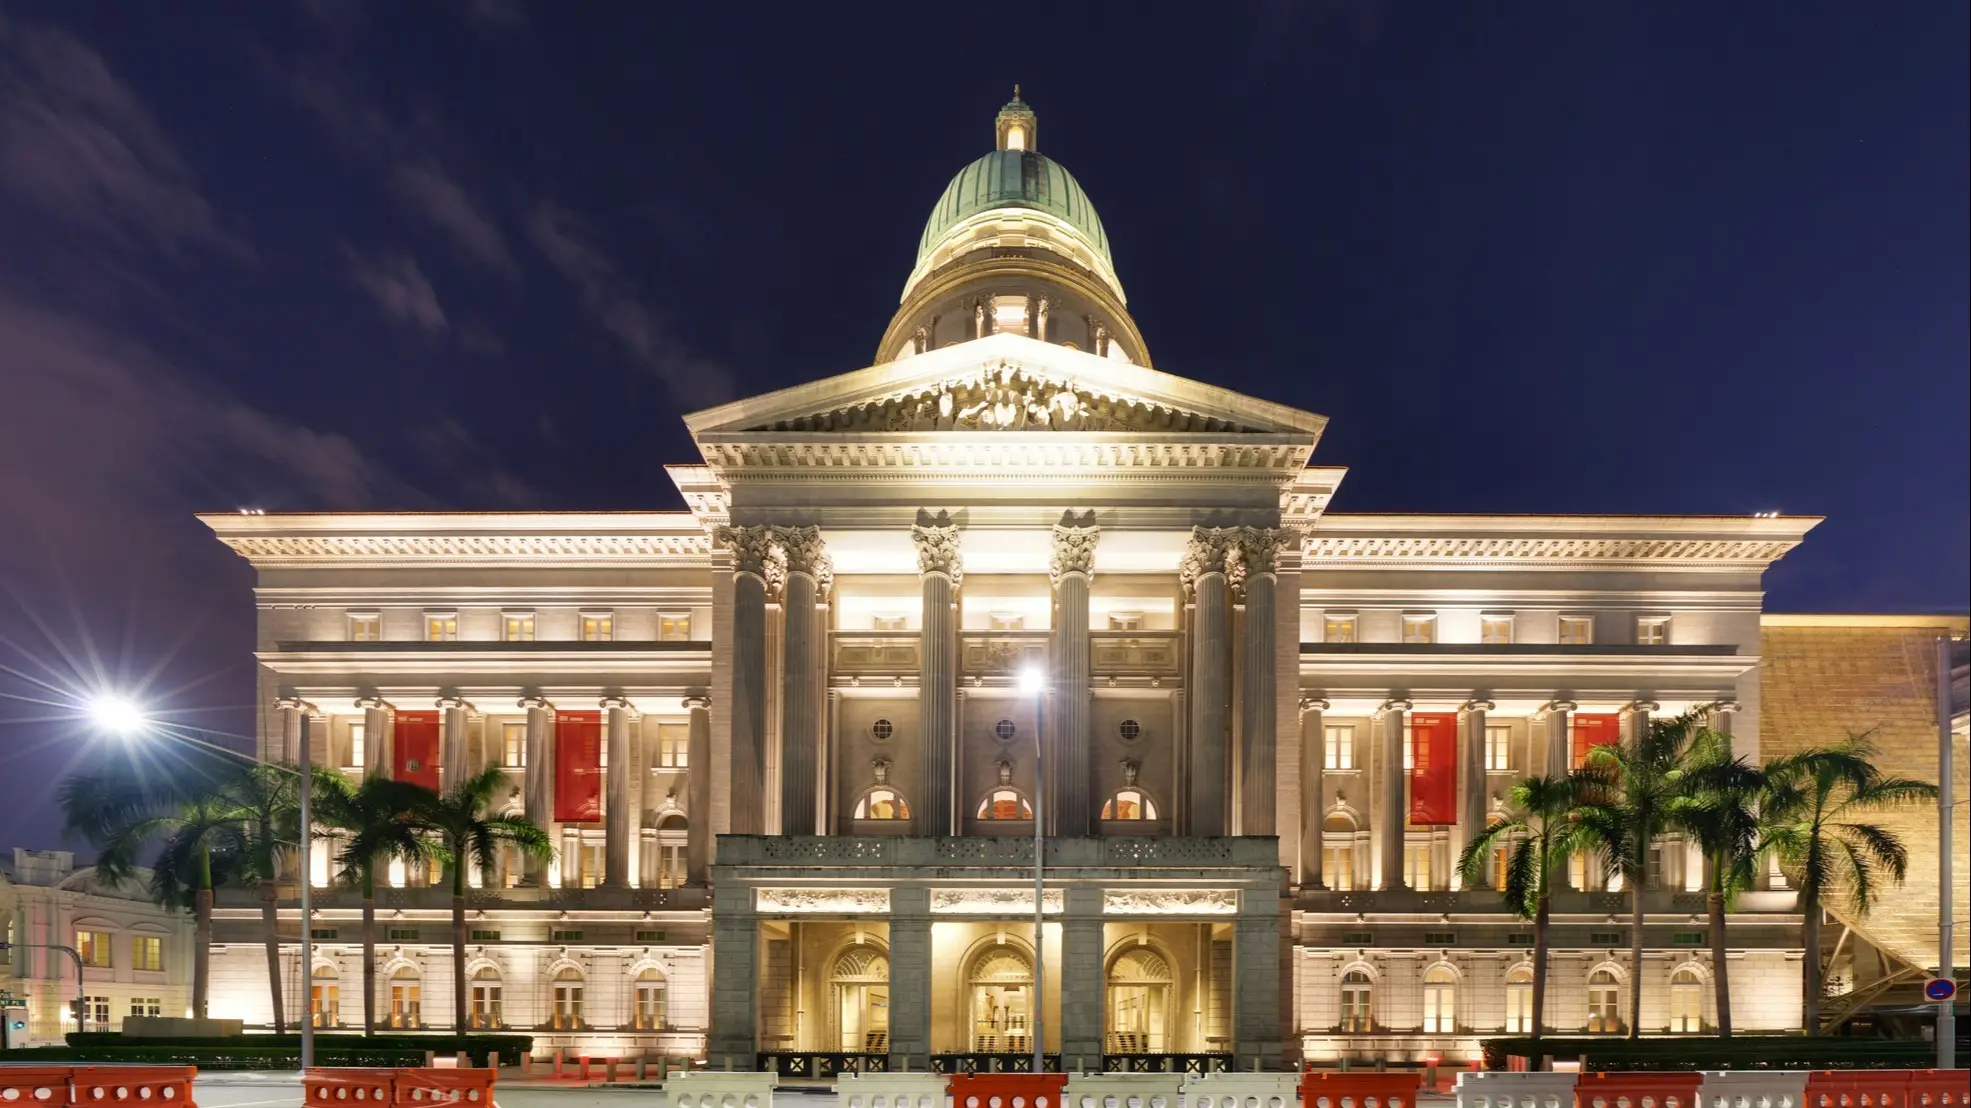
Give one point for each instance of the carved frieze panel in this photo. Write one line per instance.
(993, 902)
(835, 901)
(1170, 902)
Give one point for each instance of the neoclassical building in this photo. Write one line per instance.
(788, 744)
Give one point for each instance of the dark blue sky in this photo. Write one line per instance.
(1552, 257)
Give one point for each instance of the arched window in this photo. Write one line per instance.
(882, 802)
(406, 998)
(1130, 804)
(1604, 1002)
(1357, 1017)
(1338, 834)
(1686, 1003)
(567, 999)
(652, 1000)
(1139, 1003)
(483, 999)
(1005, 803)
(861, 983)
(1519, 1001)
(1440, 1000)
(664, 849)
(999, 1005)
(324, 996)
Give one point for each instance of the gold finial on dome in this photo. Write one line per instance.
(1016, 125)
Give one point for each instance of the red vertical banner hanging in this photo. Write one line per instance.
(1594, 731)
(577, 767)
(414, 748)
(1433, 769)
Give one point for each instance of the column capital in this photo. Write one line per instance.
(1253, 552)
(802, 549)
(296, 704)
(755, 551)
(936, 538)
(1724, 706)
(1559, 706)
(696, 703)
(450, 702)
(375, 703)
(1074, 546)
(532, 702)
(1476, 705)
(1204, 554)
(1393, 704)
(614, 703)
(1313, 704)
(1644, 706)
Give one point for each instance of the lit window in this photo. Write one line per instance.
(1519, 1001)
(598, 626)
(324, 997)
(1125, 621)
(1008, 621)
(1009, 313)
(651, 996)
(1604, 1003)
(1004, 804)
(356, 748)
(673, 745)
(1419, 629)
(674, 627)
(94, 947)
(1577, 630)
(1016, 137)
(1440, 1000)
(441, 627)
(365, 627)
(484, 1004)
(889, 623)
(1356, 1015)
(664, 859)
(882, 803)
(1416, 865)
(1129, 804)
(97, 1010)
(1495, 630)
(513, 745)
(568, 1000)
(518, 627)
(1338, 852)
(1686, 1003)
(1340, 748)
(1338, 629)
(1653, 631)
(1498, 748)
(406, 998)
(1409, 747)
(147, 953)
(152, 1006)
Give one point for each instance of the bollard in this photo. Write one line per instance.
(642, 1068)
(430, 1058)
(560, 1059)
(609, 1070)
(527, 1064)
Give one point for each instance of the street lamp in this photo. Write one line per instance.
(1032, 685)
(118, 715)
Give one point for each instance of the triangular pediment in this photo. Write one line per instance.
(1004, 383)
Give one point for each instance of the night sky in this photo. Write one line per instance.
(482, 254)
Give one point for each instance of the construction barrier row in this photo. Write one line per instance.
(349, 1087)
(1712, 1089)
(73, 1086)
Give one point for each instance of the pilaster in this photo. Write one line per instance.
(734, 1039)
(1082, 984)
(1255, 983)
(910, 978)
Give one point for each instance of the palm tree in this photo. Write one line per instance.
(1539, 833)
(1719, 809)
(376, 817)
(1812, 802)
(267, 803)
(1629, 791)
(469, 834)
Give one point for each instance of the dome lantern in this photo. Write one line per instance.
(1016, 128)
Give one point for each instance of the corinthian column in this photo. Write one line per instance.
(1389, 808)
(756, 565)
(1072, 568)
(1313, 762)
(376, 736)
(800, 697)
(616, 794)
(537, 796)
(940, 567)
(1203, 575)
(1471, 810)
(451, 741)
(1252, 567)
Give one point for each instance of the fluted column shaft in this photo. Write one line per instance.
(537, 795)
(376, 738)
(1211, 657)
(451, 742)
(698, 789)
(616, 814)
(1313, 763)
(756, 557)
(800, 700)
(1073, 569)
(1472, 795)
(1560, 763)
(1389, 811)
(938, 563)
(1258, 682)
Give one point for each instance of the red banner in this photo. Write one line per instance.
(414, 748)
(1594, 731)
(577, 767)
(1433, 769)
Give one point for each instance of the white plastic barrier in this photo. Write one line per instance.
(715, 1089)
(1753, 1089)
(890, 1090)
(1501, 1089)
(1123, 1090)
(1241, 1090)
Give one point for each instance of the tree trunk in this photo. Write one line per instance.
(1541, 915)
(1720, 979)
(270, 935)
(1636, 883)
(1810, 965)
(202, 936)
(458, 950)
(369, 950)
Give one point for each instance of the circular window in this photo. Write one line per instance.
(1131, 730)
(882, 729)
(1004, 730)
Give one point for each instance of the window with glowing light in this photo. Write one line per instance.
(147, 953)
(94, 947)
(568, 999)
(324, 997)
(1339, 839)
(882, 803)
(1604, 1003)
(1129, 804)
(1357, 993)
(598, 627)
(1336, 628)
(1340, 748)
(1519, 1001)
(1440, 1000)
(1005, 804)
(365, 627)
(1498, 748)
(406, 998)
(1419, 629)
(356, 748)
(652, 1009)
(513, 745)
(484, 1001)
(1577, 630)
(673, 745)
(1495, 630)
(674, 627)
(1653, 631)
(517, 627)
(1686, 1003)
(441, 627)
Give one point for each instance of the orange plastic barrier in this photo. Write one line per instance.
(36, 1085)
(423, 1088)
(1858, 1088)
(1008, 1090)
(348, 1087)
(107, 1085)
(1938, 1089)
(1359, 1090)
(1669, 1089)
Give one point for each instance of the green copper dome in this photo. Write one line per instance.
(1014, 179)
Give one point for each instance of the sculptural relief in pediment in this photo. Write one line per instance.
(1005, 397)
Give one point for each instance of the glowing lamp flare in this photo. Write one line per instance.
(118, 715)
(1030, 681)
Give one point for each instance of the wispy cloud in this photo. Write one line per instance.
(614, 304)
(430, 193)
(79, 146)
(400, 288)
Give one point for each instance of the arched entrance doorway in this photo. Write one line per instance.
(861, 984)
(1139, 1003)
(999, 1002)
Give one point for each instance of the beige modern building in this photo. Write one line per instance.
(784, 743)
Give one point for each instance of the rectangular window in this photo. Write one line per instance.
(441, 627)
(1440, 938)
(365, 627)
(322, 933)
(97, 1009)
(1409, 748)
(1338, 628)
(1007, 621)
(674, 627)
(567, 1005)
(146, 1006)
(1577, 630)
(406, 1002)
(673, 745)
(513, 745)
(1338, 867)
(485, 1011)
(147, 953)
(94, 947)
(1498, 748)
(1519, 938)
(403, 934)
(483, 936)
(1604, 938)
(1519, 1008)
(650, 936)
(1652, 630)
(564, 935)
(1358, 938)
(1577, 871)
(1419, 629)
(1687, 938)
(1416, 865)
(356, 748)
(889, 623)
(1495, 630)
(517, 626)
(1125, 621)
(650, 1005)
(1340, 748)
(598, 627)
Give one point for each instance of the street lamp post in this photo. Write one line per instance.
(1032, 685)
